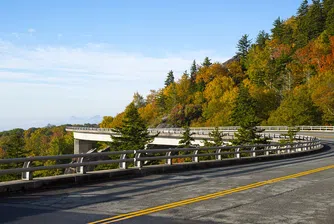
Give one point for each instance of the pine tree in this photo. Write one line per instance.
(303, 9)
(316, 20)
(244, 110)
(243, 46)
(292, 132)
(261, 39)
(170, 78)
(133, 133)
(185, 74)
(193, 72)
(277, 31)
(206, 62)
(301, 36)
(216, 138)
(249, 134)
(186, 138)
(330, 22)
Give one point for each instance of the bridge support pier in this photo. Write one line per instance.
(82, 146)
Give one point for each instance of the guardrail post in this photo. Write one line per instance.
(304, 146)
(237, 155)
(169, 161)
(123, 165)
(266, 152)
(82, 169)
(218, 157)
(253, 154)
(26, 175)
(196, 158)
(139, 164)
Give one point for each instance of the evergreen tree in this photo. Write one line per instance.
(170, 78)
(277, 31)
(316, 20)
(261, 39)
(207, 62)
(133, 133)
(301, 36)
(287, 34)
(185, 74)
(244, 111)
(249, 134)
(330, 22)
(193, 72)
(216, 138)
(243, 46)
(303, 9)
(186, 138)
(292, 132)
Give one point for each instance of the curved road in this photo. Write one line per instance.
(297, 190)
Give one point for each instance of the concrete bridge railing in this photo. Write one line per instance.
(205, 130)
(140, 158)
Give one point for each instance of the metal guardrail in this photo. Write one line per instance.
(137, 157)
(207, 129)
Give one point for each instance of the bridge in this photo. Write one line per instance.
(85, 137)
(291, 183)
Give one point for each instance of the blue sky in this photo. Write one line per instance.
(84, 58)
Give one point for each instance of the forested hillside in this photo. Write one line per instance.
(285, 77)
(50, 140)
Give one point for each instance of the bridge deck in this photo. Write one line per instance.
(306, 199)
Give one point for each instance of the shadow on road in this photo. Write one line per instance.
(16, 207)
(19, 215)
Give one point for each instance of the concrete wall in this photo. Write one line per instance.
(92, 137)
(82, 146)
(163, 140)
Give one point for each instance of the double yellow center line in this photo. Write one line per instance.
(206, 197)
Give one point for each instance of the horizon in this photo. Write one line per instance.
(81, 58)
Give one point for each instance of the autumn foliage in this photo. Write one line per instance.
(288, 74)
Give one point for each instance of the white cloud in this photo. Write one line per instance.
(94, 61)
(59, 35)
(16, 35)
(31, 30)
(57, 81)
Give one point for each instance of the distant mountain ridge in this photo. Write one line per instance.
(83, 120)
(73, 120)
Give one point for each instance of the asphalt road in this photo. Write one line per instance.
(307, 198)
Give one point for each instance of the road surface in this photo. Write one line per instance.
(297, 190)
